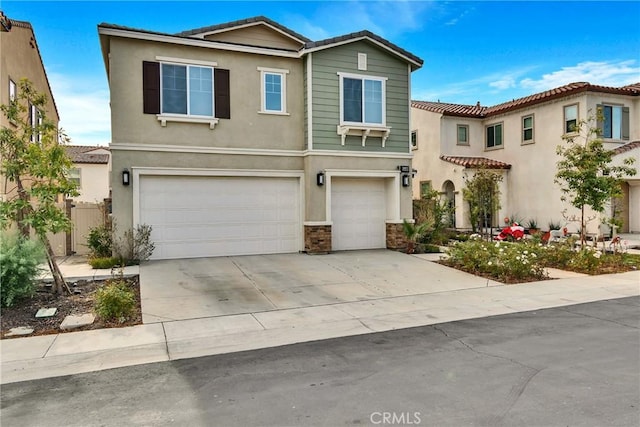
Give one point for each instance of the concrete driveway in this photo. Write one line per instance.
(209, 287)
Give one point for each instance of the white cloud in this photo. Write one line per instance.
(83, 106)
(605, 73)
(504, 83)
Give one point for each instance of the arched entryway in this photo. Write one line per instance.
(449, 194)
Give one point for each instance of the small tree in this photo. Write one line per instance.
(585, 174)
(35, 164)
(483, 195)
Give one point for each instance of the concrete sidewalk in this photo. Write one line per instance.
(76, 352)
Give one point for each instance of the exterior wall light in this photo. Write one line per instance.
(405, 180)
(403, 169)
(126, 177)
(320, 178)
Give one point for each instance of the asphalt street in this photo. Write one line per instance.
(577, 365)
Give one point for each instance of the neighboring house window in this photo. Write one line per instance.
(613, 121)
(527, 129)
(75, 176)
(463, 135)
(197, 91)
(273, 90)
(363, 99)
(425, 188)
(414, 140)
(571, 118)
(494, 136)
(13, 90)
(35, 121)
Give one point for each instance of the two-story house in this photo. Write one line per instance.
(518, 139)
(249, 138)
(20, 59)
(91, 172)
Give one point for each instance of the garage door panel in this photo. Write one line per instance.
(358, 213)
(218, 216)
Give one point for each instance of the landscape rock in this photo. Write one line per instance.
(73, 322)
(21, 330)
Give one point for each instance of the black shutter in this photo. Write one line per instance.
(151, 87)
(222, 94)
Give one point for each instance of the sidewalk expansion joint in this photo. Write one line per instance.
(50, 345)
(259, 322)
(166, 341)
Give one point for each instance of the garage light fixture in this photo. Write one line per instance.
(405, 180)
(126, 177)
(320, 178)
(403, 169)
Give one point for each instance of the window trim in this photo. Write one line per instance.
(191, 117)
(264, 71)
(601, 121)
(533, 132)
(413, 139)
(458, 142)
(363, 77)
(564, 116)
(486, 142)
(79, 178)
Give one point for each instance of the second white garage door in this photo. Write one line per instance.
(218, 216)
(358, 213)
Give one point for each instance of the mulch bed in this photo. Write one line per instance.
(80, 302)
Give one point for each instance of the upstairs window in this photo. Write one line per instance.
(613, 121)
(414, 139)
(35, 121)
(363, 100)
(527, 129)
(494, 136)
(571, 118)
(13, 90)
(463, 135)
(273, 84)
(75, 176)
(187, 89)
(179, 91)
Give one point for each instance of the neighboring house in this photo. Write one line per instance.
(20, 59)
(248, 138)
(91, 169)
(519, 140)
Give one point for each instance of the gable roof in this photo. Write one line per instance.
(256, 20)
(84, 154)
(475, 162)
(28, 26)
(365, 35)
(626, 147)
(477, 111)
(195, 38)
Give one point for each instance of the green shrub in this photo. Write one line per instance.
(100, 242)
(115, 301)
(20, 261)
(106, 262)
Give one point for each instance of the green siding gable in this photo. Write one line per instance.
(326, 97)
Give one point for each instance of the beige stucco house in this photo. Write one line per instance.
(91, 171)
(518, 139)
(248, 138)
(20, 59)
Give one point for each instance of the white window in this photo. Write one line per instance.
(613, 121)
(187, 90)
(414, 140)
(362, 100)
(273, 89)
(13, 90)
(571, 118)
(527, 129)
(35, 120)
(463, 135)
(494, 136)
(75, 175)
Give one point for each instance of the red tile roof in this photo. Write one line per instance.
(475, 162)
(626, 147)
(82, 154)
(479, 112)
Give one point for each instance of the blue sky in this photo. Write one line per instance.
(487, 51)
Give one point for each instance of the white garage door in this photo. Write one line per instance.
(218, 216)
(358, 213)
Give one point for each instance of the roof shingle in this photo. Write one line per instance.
(626, 147)
(82, 154)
